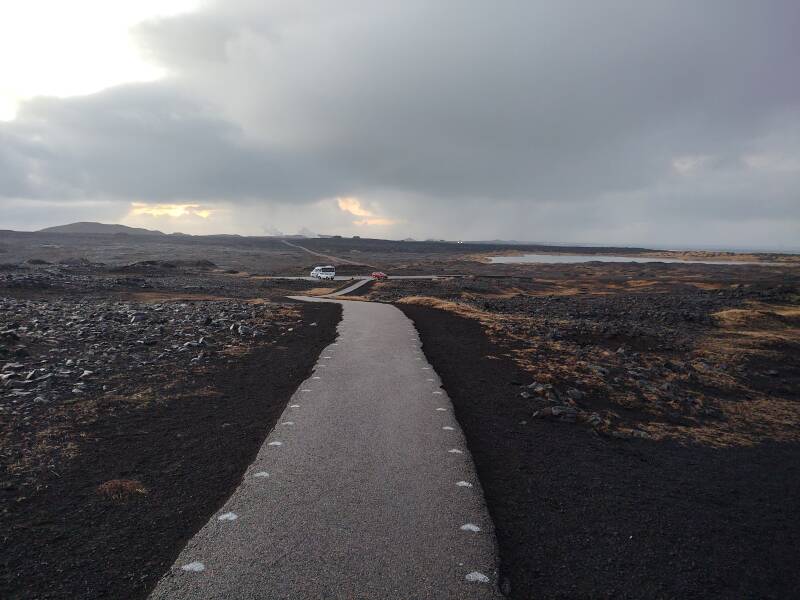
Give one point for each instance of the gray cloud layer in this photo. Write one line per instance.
(610, 121)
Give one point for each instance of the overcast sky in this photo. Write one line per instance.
(627, 122)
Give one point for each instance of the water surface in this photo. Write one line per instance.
(584, 258)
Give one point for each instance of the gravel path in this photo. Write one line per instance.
(365, 489)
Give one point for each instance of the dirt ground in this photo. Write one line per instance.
(636, 427)
(148, 466)
(584, 515)
(706, 354)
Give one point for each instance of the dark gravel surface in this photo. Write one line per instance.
(147, 472)
(578, 514)
(40, 280)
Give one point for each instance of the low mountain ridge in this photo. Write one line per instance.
(85, 227)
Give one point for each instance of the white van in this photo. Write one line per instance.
(326, 272)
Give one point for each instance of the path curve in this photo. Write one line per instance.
(350, 288)
(365, 489)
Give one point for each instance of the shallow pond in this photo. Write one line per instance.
(582, 258)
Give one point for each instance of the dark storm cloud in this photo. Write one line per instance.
(136, 141)
(441, 104)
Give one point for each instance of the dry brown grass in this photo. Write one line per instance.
(258, 301)
(758, 317)
(352, 298)
(749, 341)
(34, 451)
(458, 308)
(429, 301)
(640, 283)
(320, 291)
(711, 255)
(495, 325)
(751, 417)
(705, 286)
(120, 490)
(485, 257)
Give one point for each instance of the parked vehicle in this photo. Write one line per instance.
(326, 272)
(379, 276)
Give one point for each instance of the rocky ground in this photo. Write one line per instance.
(631, 442)
(635, 426)
(642, 362)
(71, 333)
(143, 280)
(118, 391)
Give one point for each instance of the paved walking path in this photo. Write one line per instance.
(350, 288)
(364, 490)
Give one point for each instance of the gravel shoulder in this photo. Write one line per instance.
(580, 514)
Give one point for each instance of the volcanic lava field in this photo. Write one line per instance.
(634, 426)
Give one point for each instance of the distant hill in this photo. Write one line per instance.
(90, 227)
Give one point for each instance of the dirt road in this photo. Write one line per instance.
(328, 257)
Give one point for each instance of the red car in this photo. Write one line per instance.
(379, 276)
